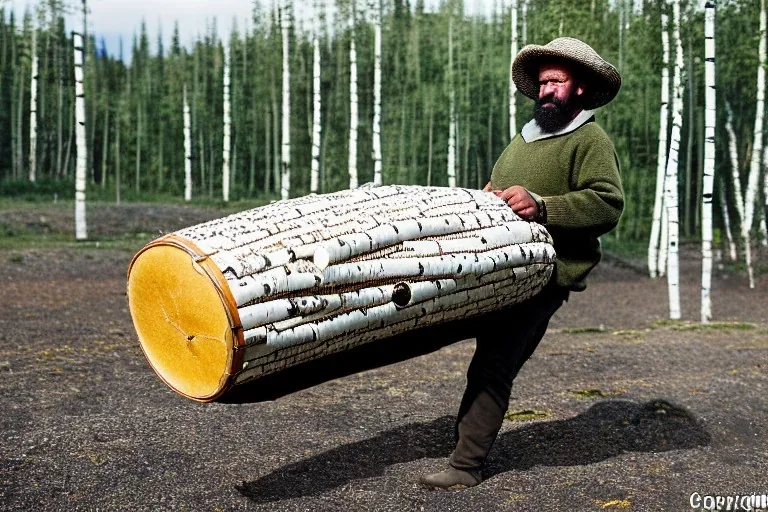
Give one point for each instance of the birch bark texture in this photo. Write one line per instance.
(710, 115)
(33, 110)
(377, 178)
(227, 139)
(285, 24)
(670, 182)
(259, 291)
(513, 53)
(661, 158)
(451, 172)
(187, 148)
(750, 199)
(314, 179)
(81, 229)
(353, 100)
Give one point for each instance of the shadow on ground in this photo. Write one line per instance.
(605, 430)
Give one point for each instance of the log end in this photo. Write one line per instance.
(321, 258)
(181, 320)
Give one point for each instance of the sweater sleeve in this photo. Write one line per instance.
(596, 200)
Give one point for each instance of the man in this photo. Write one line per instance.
(561, 170)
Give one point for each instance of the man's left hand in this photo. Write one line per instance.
(520, 200)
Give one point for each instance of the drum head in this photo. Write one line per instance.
(182, 320)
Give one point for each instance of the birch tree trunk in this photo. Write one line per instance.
(709, 160)
(81, 232)
(757, 151)
(661, 159)
(285, 22)
(738, 196)
(512, 54)
(524, 26)
(452, 119)
(314, 184)
(33, 111)
(727, 223)
(353, 121)
(187, 149)
(225, 153)
(377, 179)
(671, 189)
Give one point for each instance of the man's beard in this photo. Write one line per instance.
(556, 116)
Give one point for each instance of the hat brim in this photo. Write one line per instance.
(603, 81)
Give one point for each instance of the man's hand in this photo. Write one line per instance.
(520, 200)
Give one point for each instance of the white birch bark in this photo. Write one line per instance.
(33, 110)
(727, 224)
(285, 22)
(314, 182)
(733, 153)
(452, 116)
(750, 199)
(187, 149)
(81, 231)
(709, 160)
(227, 142)
(353, 113)
(524, 27)
(512, 54)
(670, 182)
(655, 266)
(377, 178)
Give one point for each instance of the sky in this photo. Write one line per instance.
(112, 19)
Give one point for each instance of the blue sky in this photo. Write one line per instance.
(112, 19)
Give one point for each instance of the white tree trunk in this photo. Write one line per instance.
(81, 232)
(512, 54)
(671, 195)
(227, 139)
(654, 258)
(353, 114)
(187, 149)
(727, 224)
(314, 182)
(377, 178)
(452, 119)
(524, 27)
(750, 199)
(33, 111)
(709, 161)
(285, 22)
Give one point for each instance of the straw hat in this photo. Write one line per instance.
(602, 78)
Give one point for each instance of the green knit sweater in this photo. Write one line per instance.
(577, 177)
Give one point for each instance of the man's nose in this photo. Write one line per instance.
(546, 89)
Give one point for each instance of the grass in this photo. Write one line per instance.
(526, 415)
(679, 325)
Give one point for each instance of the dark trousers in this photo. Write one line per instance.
(505, 340)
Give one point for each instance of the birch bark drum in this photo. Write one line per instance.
(231, 300)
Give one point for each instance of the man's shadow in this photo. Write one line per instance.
(605, 430)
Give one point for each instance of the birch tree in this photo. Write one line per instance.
(314, 185)
(512, 54)
(225, 154)
(187, 149)
(285, 23)
(81, 232)
(452, 115)
(750, 198)
(661, 165)
(353, 113)
(377, 92)
(709, 160)
(670, 182)
(33, 109)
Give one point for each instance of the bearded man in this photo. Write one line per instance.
(562, 171)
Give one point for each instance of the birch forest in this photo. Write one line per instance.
(390, 92)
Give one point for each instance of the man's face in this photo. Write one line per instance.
(559, 97)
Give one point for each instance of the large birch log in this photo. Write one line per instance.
(251, 294)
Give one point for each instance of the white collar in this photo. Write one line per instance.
(532, 131)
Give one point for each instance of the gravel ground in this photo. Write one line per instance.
(616, 410)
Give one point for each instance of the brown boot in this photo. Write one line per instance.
(451, 478)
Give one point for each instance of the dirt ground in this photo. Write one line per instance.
(616, 410)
